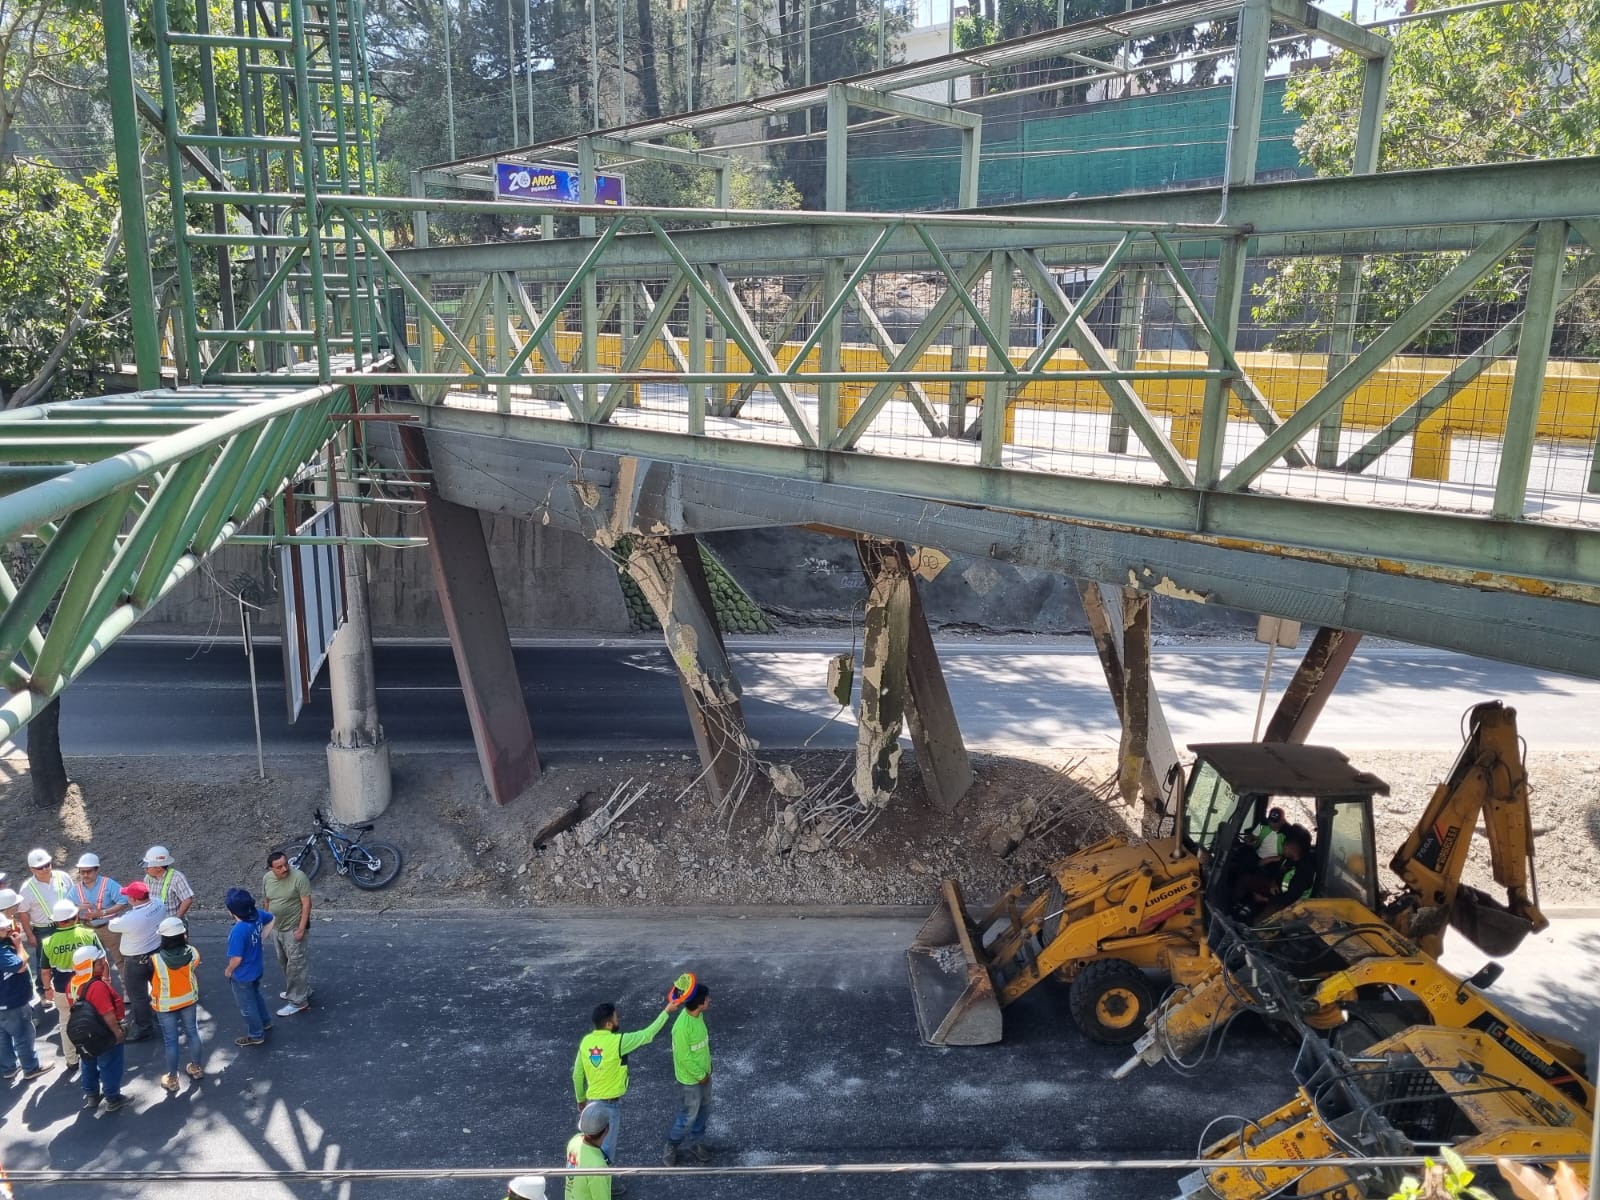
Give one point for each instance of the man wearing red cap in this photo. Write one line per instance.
(140, 928)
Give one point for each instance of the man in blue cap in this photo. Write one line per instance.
(245, 965)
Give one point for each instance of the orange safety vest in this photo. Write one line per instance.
(172, 988)
(80, 980)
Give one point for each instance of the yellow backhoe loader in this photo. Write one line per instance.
(1405, 1096)
(1108, 917)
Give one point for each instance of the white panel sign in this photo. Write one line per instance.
(312, 586)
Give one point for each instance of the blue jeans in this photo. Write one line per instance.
(251, 1005)
(188, 1020)
(608, 1144)
(16, 1040)
(694, 1110)
(102, 1076)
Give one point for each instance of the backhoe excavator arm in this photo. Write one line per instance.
(1488, 780)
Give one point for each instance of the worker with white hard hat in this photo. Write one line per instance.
(98, 895)
(103, 1057)
(58, 950)
(40, 891)
(17, 1049)
(526, 1187)
(175, 996)
(583, 1152)
(167, 884)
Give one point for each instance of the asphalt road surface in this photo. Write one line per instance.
(448, 1043)
(156, 697)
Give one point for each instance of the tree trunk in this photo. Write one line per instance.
(46, 768)
(649, 84)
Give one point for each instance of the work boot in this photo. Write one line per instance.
(170, 1082)
(702, 1154)
(669, 1154)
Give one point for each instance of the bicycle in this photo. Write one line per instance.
(368, 865)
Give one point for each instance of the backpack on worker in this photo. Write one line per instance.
(87, 1029)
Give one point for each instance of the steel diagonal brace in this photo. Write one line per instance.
(468, 318)
(966, 301)
(1438, 299)
(591, 260)
(915, 393)
(264, 297)
(19, 623)
(654, 326)
(547, 349)
(731, 312)
(1123, 398)
(417, 297)
(1249, 395)
(913, 349)
(1502, 343)
(1098, 286)
(786, 323)
(836, 305)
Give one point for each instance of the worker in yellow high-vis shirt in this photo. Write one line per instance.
(600, 1070)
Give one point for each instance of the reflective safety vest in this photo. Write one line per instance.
(1269, 841)
(172, 988)
(59, 887)
(80, 979)
(605, 1071)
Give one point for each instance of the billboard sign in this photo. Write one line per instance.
(553, 185)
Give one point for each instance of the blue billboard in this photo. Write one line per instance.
(552, 185)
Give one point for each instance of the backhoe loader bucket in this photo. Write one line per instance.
(1488, 924)
(950, 985)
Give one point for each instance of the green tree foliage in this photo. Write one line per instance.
(1501, 84)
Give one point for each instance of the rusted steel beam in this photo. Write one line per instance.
(1314, 680)
(479, 639)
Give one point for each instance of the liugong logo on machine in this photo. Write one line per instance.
(1556, 1074)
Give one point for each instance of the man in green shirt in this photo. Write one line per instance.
(691, 1062)
(57, 950)
(286, 894)
(586, 1150)
(600, 1070)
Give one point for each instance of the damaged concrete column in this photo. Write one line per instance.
(671, 574)
(1119, 621)
(902, 683)
(1314, 680)
(469, 598)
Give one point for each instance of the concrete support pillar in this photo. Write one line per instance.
(359, 784)
(885, 635)
(1148, 752)
(671, 574)
(479, 639)
(1314, 680)
(902, 682)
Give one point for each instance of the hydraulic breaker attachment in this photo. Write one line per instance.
(950, 985)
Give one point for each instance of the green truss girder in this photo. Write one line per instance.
(116, 527)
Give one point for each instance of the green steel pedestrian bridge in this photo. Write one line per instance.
(1073, 385)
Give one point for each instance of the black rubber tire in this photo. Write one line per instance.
(1101, 997)
(371, 878)
(307, 858)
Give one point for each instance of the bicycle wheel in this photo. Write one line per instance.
(372, 864)
(303, 855)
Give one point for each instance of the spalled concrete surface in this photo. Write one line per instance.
(449, 1043)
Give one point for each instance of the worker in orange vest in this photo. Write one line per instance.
(175, 996)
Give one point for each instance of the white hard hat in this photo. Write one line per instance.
(39, 858)
(84, 955)
(9, 899)
(171, 926)
(529, 1187)
(63, 910)
(87, 861)
(157, 856)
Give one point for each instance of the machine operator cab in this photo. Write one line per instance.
(1232, 785)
